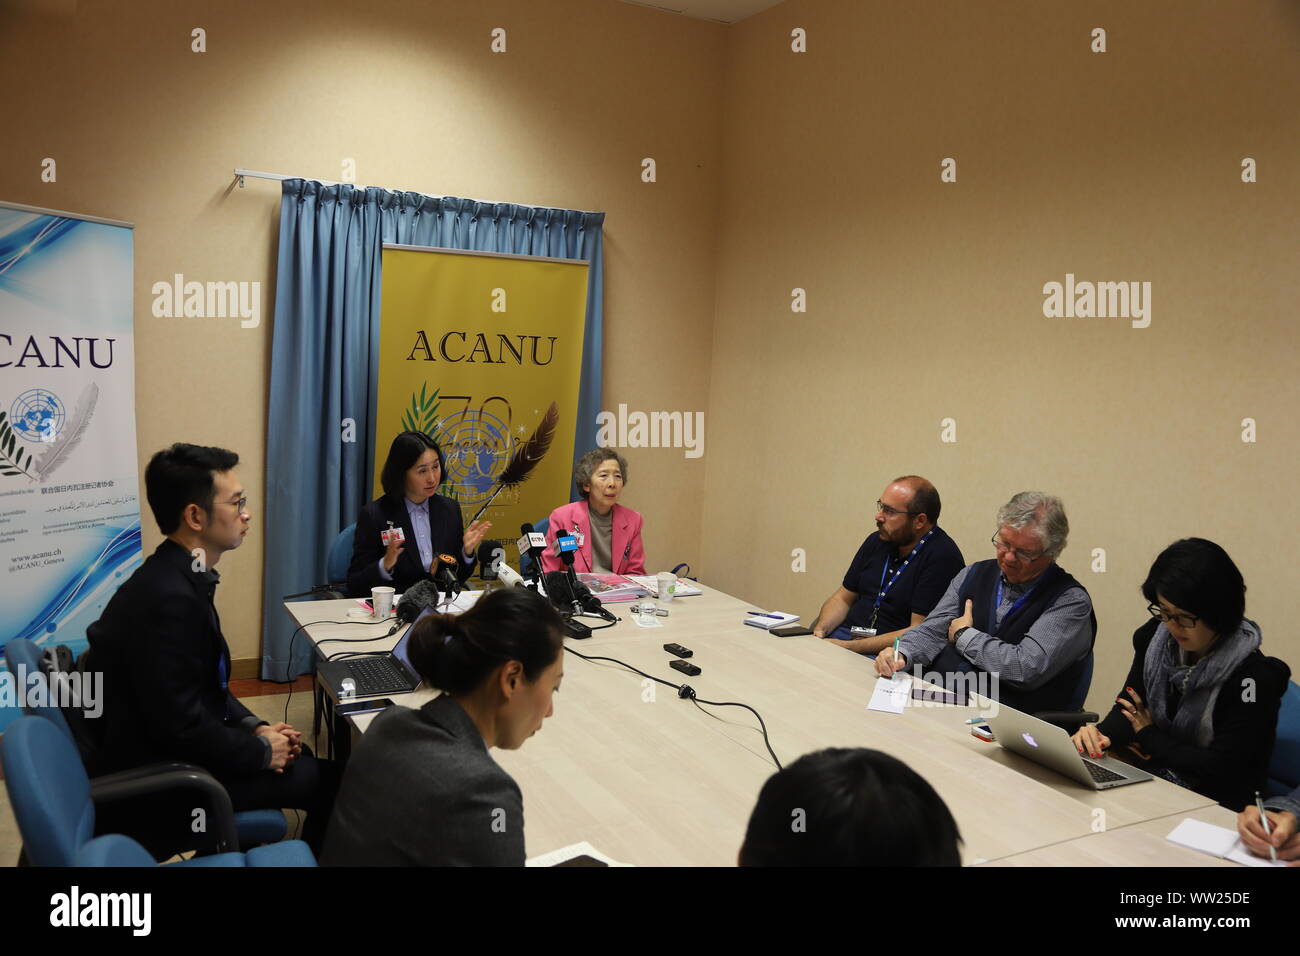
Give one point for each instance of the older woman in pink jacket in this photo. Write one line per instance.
(609, 535)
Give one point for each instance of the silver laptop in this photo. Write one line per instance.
(1052, 747)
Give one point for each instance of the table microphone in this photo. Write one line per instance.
(533, 547)
(445, 576)
(415, 600)
(581, 600)
(509, 576)
(582, 596)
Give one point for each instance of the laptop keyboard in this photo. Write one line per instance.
(378, 675)
(1101, 774)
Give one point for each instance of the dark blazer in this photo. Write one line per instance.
(447, 530)
(421, 789)
(1235, 764)
(159, 646)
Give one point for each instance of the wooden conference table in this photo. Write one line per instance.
(654, 780)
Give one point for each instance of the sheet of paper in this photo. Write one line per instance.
(890, 694)
(461, 603)
(556, 857)
(1217, 841)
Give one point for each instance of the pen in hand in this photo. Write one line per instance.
(1268, 831)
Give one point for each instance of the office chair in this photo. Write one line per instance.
(52, 799)
(118, 850)
(337, 560)
(252, 826)
(1076, 716)
(1284, 768)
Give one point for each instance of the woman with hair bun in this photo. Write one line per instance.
(421, 788)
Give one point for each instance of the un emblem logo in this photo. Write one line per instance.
(37, 415)
(477, 445)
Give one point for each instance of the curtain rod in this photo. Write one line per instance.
(280, 177)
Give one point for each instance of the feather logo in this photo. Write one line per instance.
(63, 446)
(527, 456)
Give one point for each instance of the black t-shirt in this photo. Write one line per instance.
(917, 590)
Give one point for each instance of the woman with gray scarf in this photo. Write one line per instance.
(1200, 703)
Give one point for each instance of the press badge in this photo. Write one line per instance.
(863, 631)
(391, 534)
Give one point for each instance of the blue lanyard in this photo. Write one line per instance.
(884, 588)
(997, 603)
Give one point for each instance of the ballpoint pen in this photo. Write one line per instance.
(1268, 832)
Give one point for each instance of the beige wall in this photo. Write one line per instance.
(925, 301)
(145, 130)
(775, 171)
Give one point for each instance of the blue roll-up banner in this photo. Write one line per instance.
(69, 490)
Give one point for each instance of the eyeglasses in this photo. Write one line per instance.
(1024, 556)
(241, 504)
(890, 512)
(1182, 620)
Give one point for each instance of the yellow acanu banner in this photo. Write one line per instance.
(484, 353)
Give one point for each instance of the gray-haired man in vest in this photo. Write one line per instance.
(1019, 615)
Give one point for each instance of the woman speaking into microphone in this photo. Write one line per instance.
(608, 534)
(418, 523)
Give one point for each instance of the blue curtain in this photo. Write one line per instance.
(325, 359)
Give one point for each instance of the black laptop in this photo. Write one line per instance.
(389, 672)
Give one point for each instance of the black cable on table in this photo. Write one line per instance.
(688, 692)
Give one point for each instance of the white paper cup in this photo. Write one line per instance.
(667, 587)
(381, 599)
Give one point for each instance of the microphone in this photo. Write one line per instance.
(415, 600)
(558, 585)
(565, 545)
(533, 544)
(446, 578)
(487, 559)
(509, 576)
(580, 599)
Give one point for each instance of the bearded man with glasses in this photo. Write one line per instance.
(897, 576)
(1019, 616)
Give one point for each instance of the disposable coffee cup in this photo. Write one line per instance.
(667, 587)
(381, 599)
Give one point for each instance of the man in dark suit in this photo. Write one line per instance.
(166, 665)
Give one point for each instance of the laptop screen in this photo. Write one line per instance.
(403, 649)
